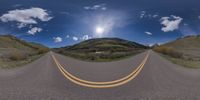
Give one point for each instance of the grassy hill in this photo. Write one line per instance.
(184, 51)
(102, 49)
(15, 50)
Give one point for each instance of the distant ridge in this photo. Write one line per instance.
(102, 49)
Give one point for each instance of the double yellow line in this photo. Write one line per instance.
(108, 84)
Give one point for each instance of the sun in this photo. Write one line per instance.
(99, 30)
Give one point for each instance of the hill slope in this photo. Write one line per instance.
(189, 46)
(13, 49)
(102, 49)
(9, 43)
(186, 49)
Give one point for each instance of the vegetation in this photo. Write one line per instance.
(168, 51)
(14, 51)
(183, 51)
(8, 64)
(186, 63)
(102, 49)
(17, 55)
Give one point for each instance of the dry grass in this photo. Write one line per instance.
(183, 62)
(4, 64)
(42, 50)
(17, 55)
(168, 51)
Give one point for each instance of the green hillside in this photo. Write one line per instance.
(102, 49)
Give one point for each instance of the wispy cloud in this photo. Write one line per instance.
(17, 5)
(188, 30)
(155, 16)
(107, 22)
(144, 14)
(96, 7)
(148, 33)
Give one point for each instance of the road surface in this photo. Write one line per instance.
(158, 79)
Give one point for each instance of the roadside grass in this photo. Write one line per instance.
(15, 52)
(178, 57)
(183, 51)
(8, 64)
(168, 51)
(185, 63)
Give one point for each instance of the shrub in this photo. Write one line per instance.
(168, 51)
(61, 51)
(17, 55)
(41, 51)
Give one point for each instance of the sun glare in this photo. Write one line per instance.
(100, 30)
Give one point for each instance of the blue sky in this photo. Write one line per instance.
(66, 22)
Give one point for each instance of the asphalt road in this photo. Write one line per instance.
(159, 79)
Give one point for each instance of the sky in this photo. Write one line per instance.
(57, 23)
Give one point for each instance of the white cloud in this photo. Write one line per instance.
(86, 37)
(57, 39)
(67, 36)
(171, 23)
(149, 33)
(34, 30)
(96, 7)
(26, 16)
(17, 5)
(75, 38)
(155, 16)
(142, 14)
(21, 25)
(104, 8)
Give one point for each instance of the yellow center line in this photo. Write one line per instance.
(100, 84)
